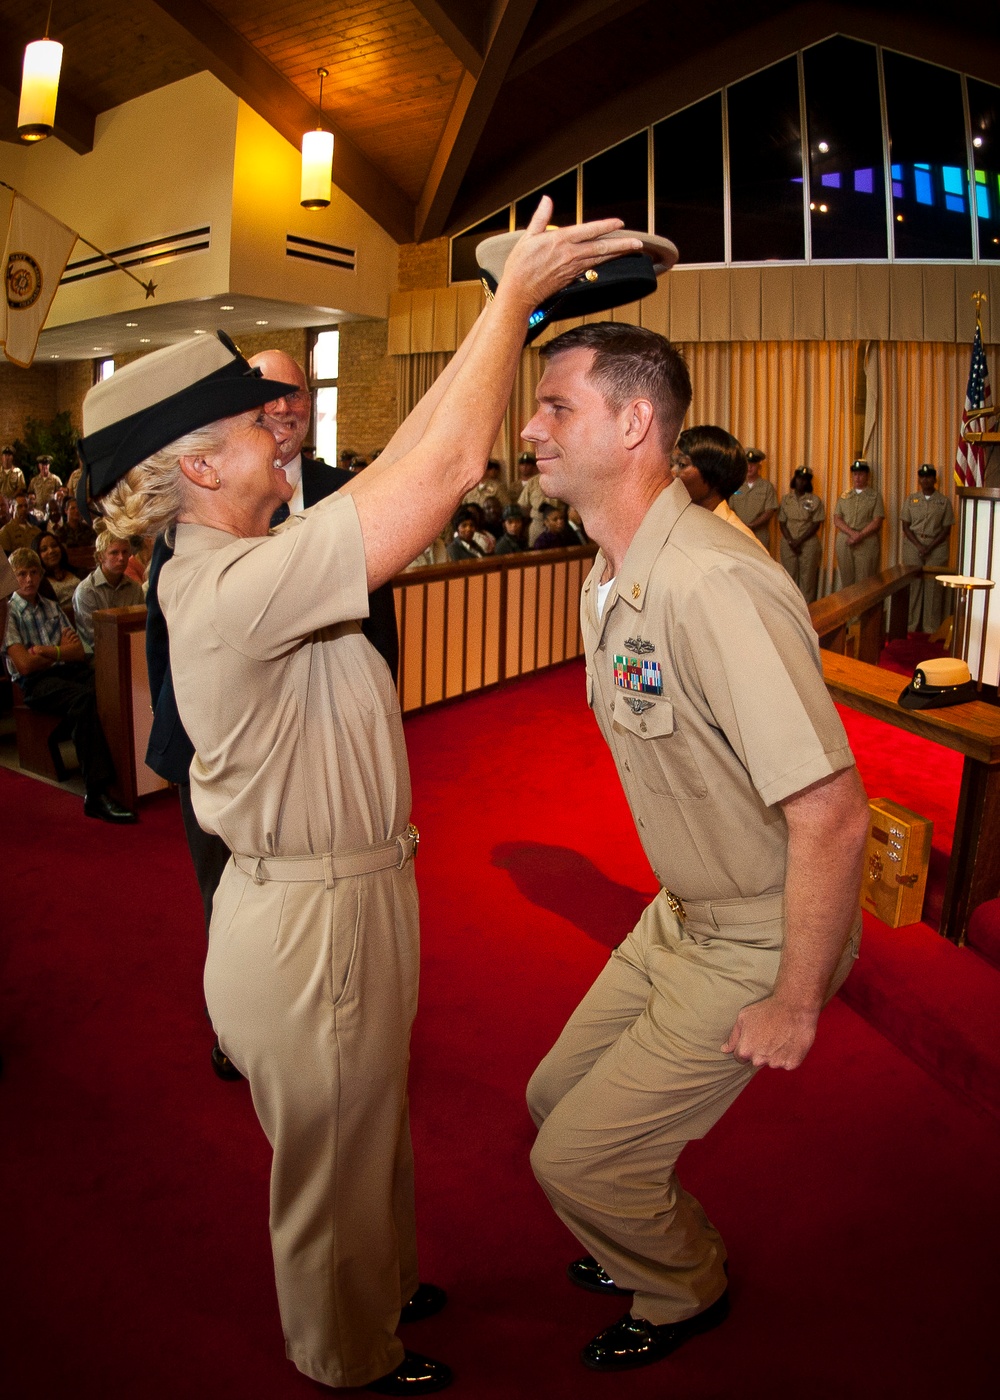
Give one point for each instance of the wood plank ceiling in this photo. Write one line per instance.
(446, 109)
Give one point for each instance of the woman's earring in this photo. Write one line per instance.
(218, 481)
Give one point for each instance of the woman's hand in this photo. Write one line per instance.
(546, 260)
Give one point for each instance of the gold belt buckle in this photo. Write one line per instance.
(676, 906)
(410, 834)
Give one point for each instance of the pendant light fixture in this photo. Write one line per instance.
(36, 116)
(317, 159)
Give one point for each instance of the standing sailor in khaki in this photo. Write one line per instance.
(799, 518)
(858, 517)
(703, 673)
(756, 501)
(300, 768)
(927, 519)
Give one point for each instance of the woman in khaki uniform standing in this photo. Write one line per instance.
(799, 517)
(300, 767)
(927, 520)
(858, 517)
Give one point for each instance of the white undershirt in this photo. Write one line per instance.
(293, 474)
(603, 589)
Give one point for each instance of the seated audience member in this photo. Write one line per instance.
(464, 545)
(345, 457)
(492, 486)
(574, 525)
(47, 660)
(532, 497)
(493, 517)
(514, 538)
(74, 532)
(142, 551)
(484, 539)
(106, 587)
(58, 574)
(712, 465)
(36, 513)
(53, 512)
(556, 534)
(21, 532)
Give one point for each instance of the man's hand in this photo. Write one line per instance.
(769, 1033)
(546, 260)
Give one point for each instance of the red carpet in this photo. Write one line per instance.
(857, 1196)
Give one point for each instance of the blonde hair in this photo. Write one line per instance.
(150, 497)
(105, 539)
(25, 559)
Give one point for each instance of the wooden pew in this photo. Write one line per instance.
(865, 603)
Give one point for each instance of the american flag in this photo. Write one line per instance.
(970, 458)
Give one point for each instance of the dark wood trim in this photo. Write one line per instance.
(864, 602)
(588, 16)
(468, 116)
(451, 24)
(215, 45)
(113, 628)
(491, 564)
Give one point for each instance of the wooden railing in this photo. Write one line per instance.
(834, 616)
(470, 626)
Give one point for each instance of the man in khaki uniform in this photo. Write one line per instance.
(858, 518)
(11, 476)
(927, 519)
(45, 484)
(491, 485)
(799, 518)
(704, 677)
(756, 501)
(21, 532)
(532, 498)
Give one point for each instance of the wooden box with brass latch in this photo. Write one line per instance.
(897, 856)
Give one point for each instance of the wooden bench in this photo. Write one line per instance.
(865, 603)
(972, 730)
(38, 739)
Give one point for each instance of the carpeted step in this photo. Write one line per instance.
(937, 1003)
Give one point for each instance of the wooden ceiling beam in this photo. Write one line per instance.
(74, 124)
(451, 24)
(577, 24)
(468, 116)
(225, 53)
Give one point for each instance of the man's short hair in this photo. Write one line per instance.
(718, 456)
(24, 559)
(633, 363)
(105, 540)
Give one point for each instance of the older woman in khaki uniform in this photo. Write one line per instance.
(300, 767)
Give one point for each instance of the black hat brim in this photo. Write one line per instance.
(110, 453)
(934, 698)
(615, 283)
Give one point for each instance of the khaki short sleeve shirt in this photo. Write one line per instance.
(293, 715)
(705, 680)
(753, 498)
(800, 512)
(927, 516)
(860, 508)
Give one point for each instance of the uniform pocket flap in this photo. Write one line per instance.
(647, 719)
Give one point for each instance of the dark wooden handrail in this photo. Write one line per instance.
(847, 604)
(491, 564)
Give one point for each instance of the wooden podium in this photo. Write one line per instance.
(123, 700)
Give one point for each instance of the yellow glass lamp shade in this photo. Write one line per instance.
(39, 88)
(317, 169)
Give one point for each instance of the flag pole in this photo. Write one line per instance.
(148, 287)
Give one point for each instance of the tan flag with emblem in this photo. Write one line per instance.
(34, 259)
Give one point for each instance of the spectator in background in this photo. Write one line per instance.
(858, 517)
(142, 551)
(55, 565)
(47, 660)
(711, 464)
(345, 458)
(21, 532)
(491, 487)
(74, 532)
(493, 510)
(464, 545)
(35, 515)
(756, 501)
(575, 526)
(514, 538)
(799, 518)
(532, 497)
(12, 481)
(46, 483)
(556, 534)
(105, 587)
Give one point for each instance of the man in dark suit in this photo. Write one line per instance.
(170, 750)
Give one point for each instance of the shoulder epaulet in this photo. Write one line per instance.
(845, 494)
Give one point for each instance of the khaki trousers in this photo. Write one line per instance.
(926, 595)
(857, 562)
(803, 567)
(312, 992)
(636, 1074)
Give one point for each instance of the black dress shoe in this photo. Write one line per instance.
(106, 809)
(587, 1273)
(428, 1300)
(415, 1375)
(223, 1065)
(633, 1341)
